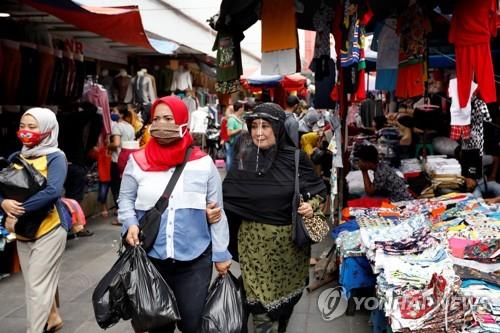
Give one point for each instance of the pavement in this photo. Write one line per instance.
(87, 259)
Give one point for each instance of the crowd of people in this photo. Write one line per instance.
(246, 217)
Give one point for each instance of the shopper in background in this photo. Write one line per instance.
(188, 244)
(40, 256)
(386, 182)
(121, 131)
(291, 122)
(135, 118)
(103, 157)
(259, 190)
(224, 136)
(235, 127)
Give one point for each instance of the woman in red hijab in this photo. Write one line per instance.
(188, 244)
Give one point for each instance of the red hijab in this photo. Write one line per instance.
(155, 157)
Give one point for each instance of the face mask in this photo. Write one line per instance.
(115, 117)
(166, 133)
(30, 138)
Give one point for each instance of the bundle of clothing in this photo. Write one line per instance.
(435, 260)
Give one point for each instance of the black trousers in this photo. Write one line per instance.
(115, 182)
(189, 280)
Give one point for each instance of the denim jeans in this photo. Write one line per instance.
(103, 192)
(229, 155)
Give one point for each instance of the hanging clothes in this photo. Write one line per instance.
(107, 83)
(460, 116)
(140, 90)
(279, 26)
(325, 73)
(414, 25)
(480, 114)
(99, 97)
(182, 80)
(229, 65)
(190, 103)
(120, 87)
(279, 37)
(387, 55)
(282, 62)
(153, 83)
(322, 24)
(472, 26)
(349, 51)
(165, 77)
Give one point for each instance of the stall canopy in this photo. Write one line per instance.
(121, 24)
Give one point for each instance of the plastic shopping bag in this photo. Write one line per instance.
(134, 289)
(224, 310)
(110, 303)
(151, 300)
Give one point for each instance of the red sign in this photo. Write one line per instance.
(73, 46)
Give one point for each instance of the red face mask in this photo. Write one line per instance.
(30, 138)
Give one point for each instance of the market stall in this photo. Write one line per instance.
(434, 260)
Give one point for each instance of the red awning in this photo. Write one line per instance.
(295, 82)
(120, 24)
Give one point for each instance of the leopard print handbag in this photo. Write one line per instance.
(316, 226)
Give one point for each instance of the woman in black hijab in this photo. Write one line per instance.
(259, 190)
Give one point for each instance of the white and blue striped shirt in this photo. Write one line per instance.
(184, 230)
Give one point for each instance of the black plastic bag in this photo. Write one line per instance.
(224, 310)
(151, 301)
(134, 289)
(20, 183)
(108, 307)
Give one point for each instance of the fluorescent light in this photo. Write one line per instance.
(4, 15)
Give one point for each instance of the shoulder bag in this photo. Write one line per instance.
(20, 184)
(149, 224)
(305, 230)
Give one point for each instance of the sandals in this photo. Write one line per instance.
(116, 222)
(84, 233)
(54, 328)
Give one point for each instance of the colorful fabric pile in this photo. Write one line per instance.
(436, 262)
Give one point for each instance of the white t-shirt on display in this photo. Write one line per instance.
(459, 116)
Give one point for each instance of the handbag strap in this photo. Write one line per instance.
(297, 162)
(162, 203)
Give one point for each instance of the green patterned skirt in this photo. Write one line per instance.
(274, 270)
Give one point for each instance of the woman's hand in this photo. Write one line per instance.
(133, 235)
(10, 223)
(12, 207)
(214, 213)
(305, 209)
(223, 267)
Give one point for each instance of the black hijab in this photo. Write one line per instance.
(260, 185)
